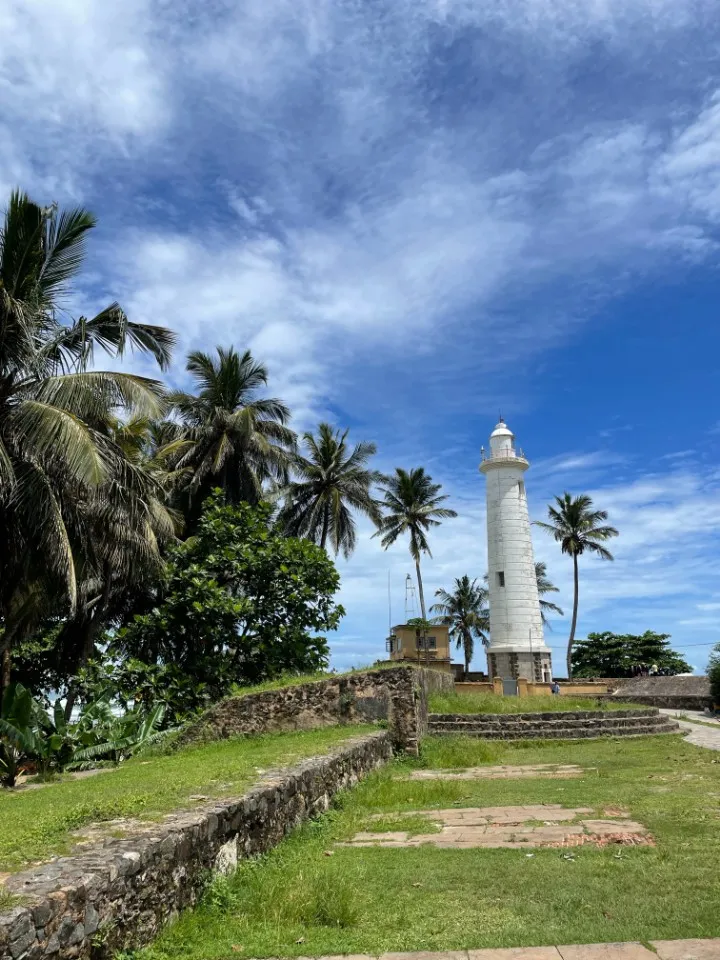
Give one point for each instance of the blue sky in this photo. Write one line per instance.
(417, 213)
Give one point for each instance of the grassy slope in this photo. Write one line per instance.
(370, 901)
(491, 703)
(36, 823)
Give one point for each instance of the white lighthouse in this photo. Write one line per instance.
(517, 646)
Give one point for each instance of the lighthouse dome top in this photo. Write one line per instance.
(502, 449)
(502, 430)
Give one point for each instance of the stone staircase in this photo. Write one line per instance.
(554, 726)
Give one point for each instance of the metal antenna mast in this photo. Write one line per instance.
(410, 606)
(390, 623)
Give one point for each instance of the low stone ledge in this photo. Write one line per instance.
(119, 892)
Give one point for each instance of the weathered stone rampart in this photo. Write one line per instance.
(398, 695)
(119, 892)
(680, 693)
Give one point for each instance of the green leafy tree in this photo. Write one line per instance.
(578, 529)
(332, 481)
(55, 454)
(714, 676)
(241, 603)
(465, 611)
(615, 655)
(412, 505)
(239, 441)
(545, 585)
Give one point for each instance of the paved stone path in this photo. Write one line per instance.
(518, 827)
(698, 734)
(663, 950)
(502, 772)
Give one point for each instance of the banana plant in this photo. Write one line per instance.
(122, 736)
(19, 739)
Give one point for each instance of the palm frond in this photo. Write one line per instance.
(43, 430)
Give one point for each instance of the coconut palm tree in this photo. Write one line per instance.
(117, 534)
(239, 440)
(545, 585)
(332, 482)
(465, 612)
(53, 407)
(412, 504)
(578, 529)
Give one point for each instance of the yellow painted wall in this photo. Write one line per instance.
(473, 688)
(408, 643)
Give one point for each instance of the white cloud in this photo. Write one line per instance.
(423, 250)
(692, 163)
(80, 63)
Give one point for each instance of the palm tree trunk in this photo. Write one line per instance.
(325, 526)
(571, 638)
(422, 608)
(6, 643)
(87, 636)
(5, 682)
(467, 650)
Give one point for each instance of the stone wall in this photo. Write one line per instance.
(397, 695)
(118, 893)
(679, 693)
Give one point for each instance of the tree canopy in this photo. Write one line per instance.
(241, 603)
(331, 481)
(617, 655)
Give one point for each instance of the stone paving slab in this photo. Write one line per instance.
(606, 951)
(502, 772)
(427, 955)
(516, 953)
(687, 949)
(509, 827)
(543, 812)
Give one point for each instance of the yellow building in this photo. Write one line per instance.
(406, 642)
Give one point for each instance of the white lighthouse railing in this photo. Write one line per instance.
(503, 455)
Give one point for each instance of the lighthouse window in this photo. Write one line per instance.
(501, 578)
(521, 488)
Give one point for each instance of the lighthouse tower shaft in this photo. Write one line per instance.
(517, 646)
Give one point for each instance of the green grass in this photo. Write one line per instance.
(7, 900)
(297, 900)
(38, 823)
(492, 703)
(286, 680)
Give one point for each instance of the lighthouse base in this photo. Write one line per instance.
(513, 664)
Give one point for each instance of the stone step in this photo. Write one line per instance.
(554, 715)
(513, 724)
(560, 733)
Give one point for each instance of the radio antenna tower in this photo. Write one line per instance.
(410, 606)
